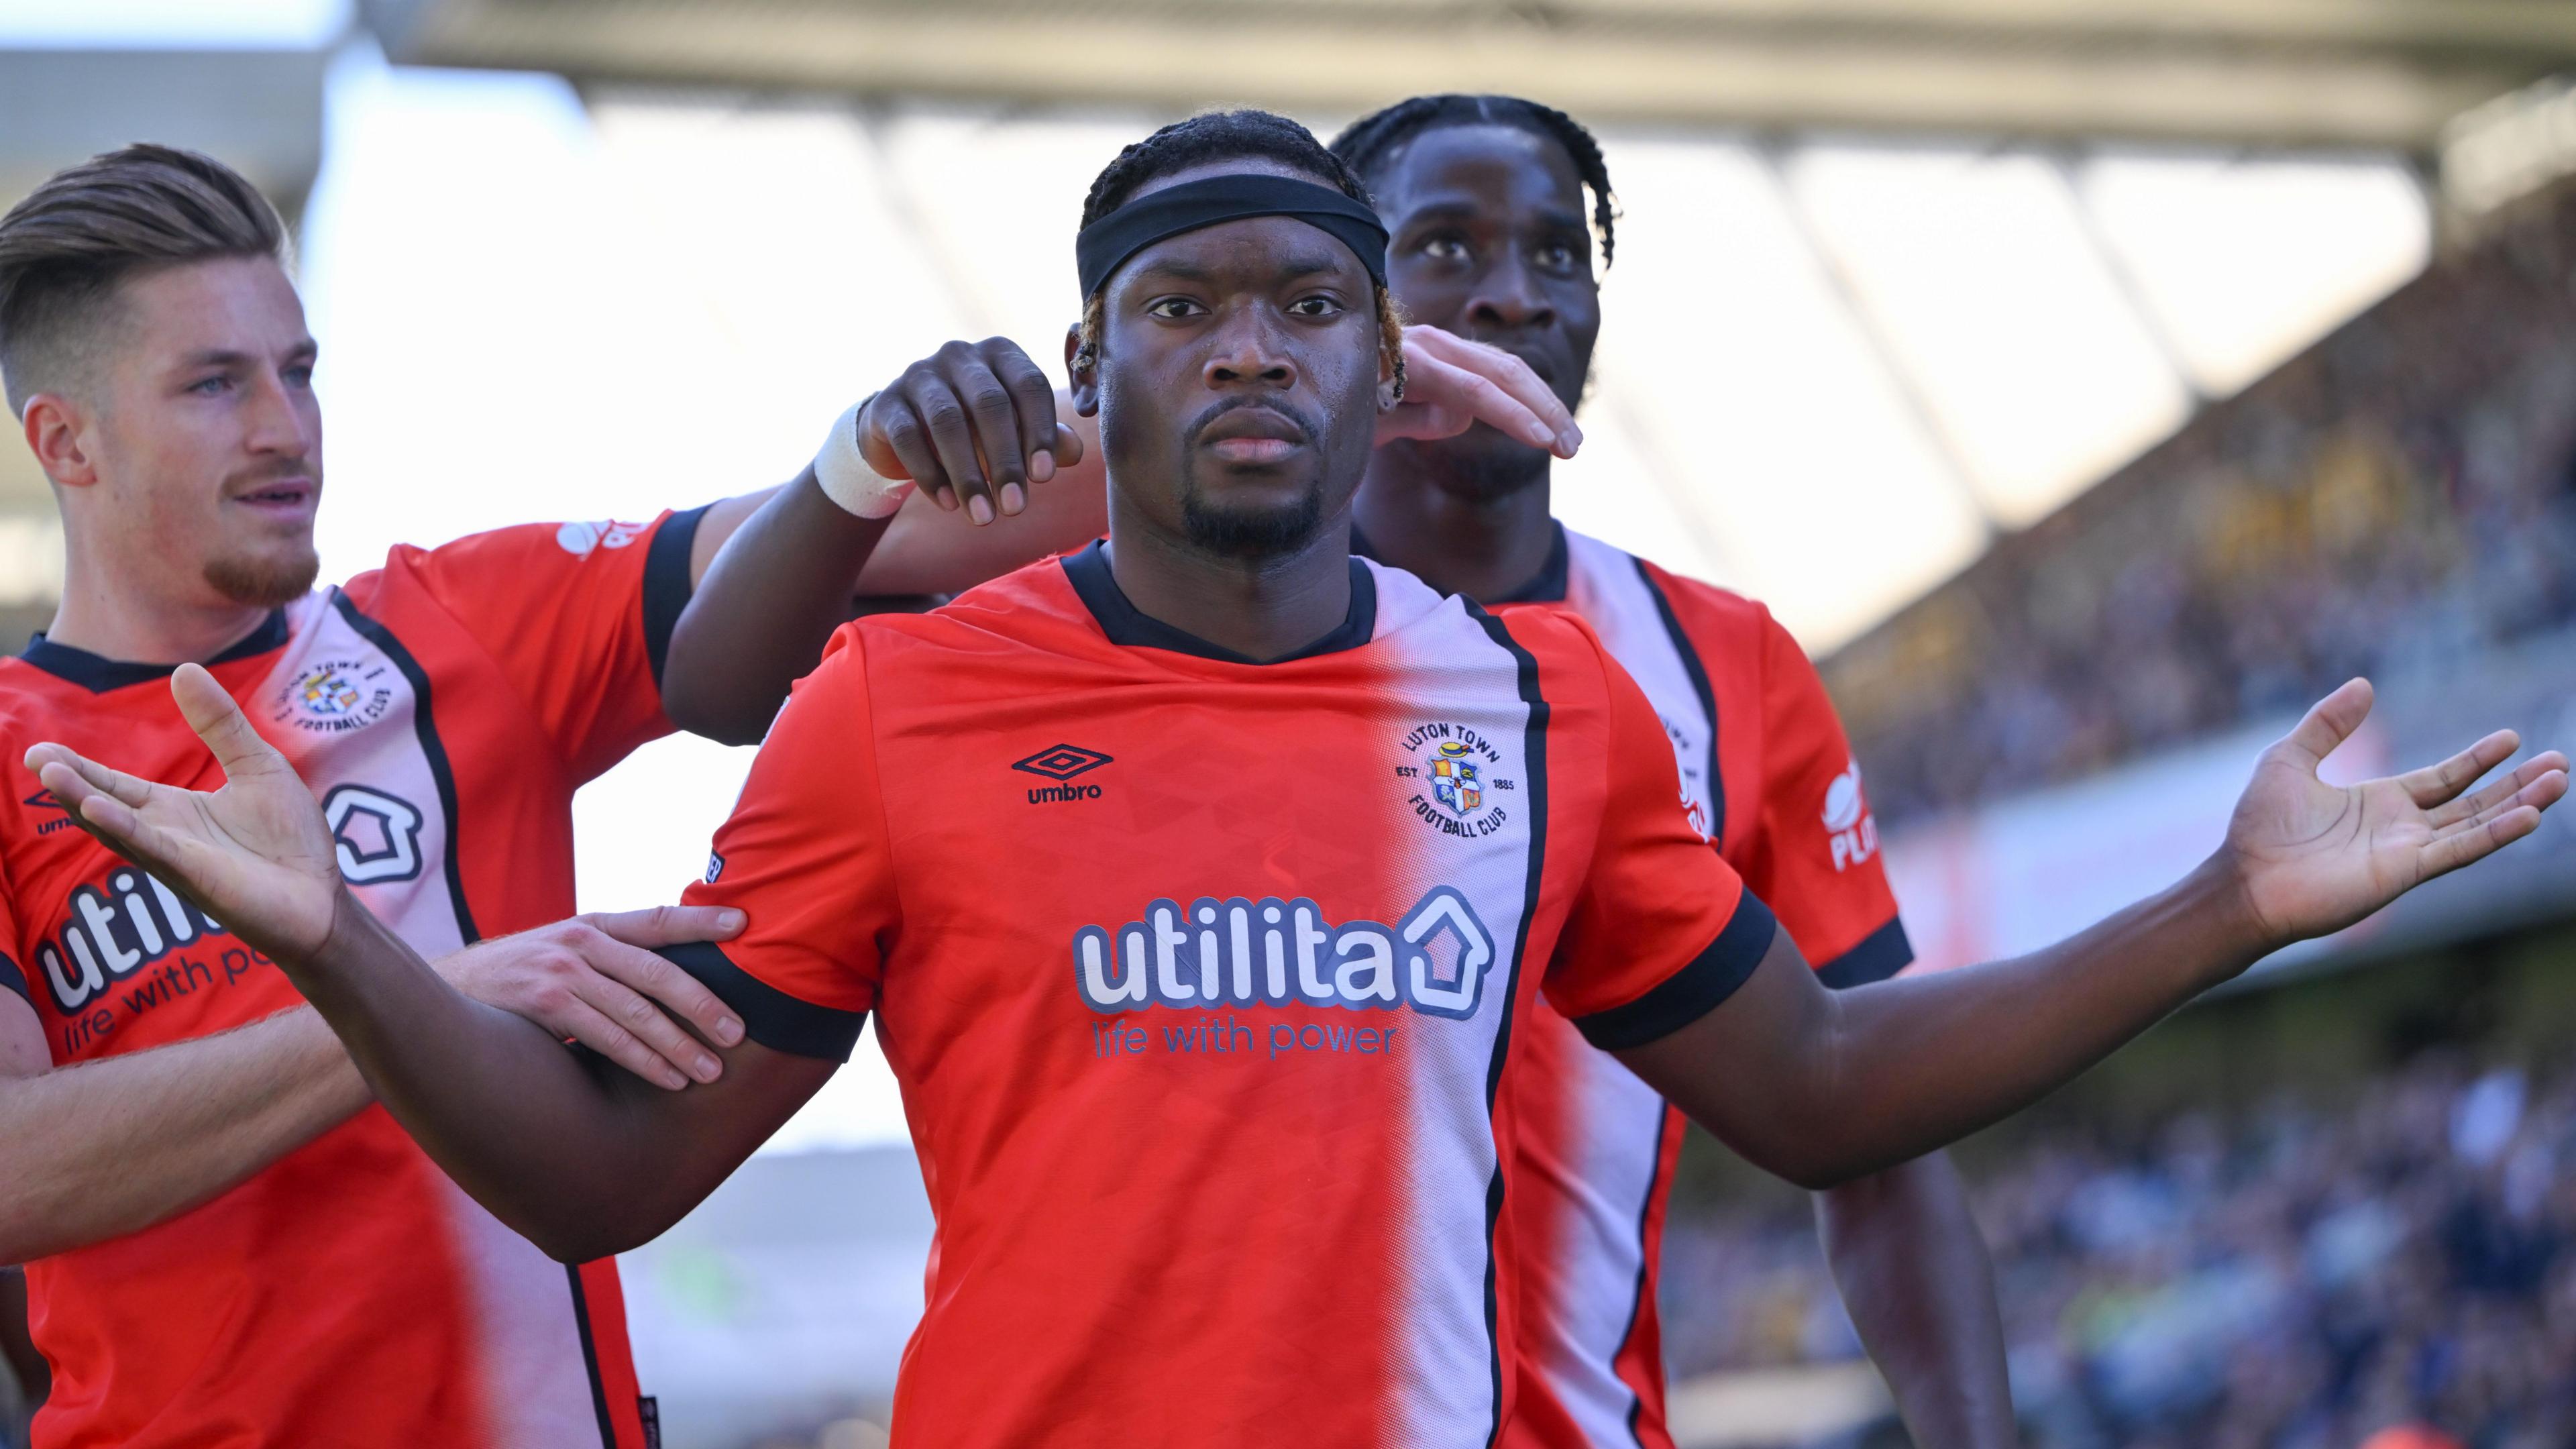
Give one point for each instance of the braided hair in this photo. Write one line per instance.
(1367, 144)
(1226, 136)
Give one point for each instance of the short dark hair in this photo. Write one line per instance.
(1227, 136)
(1366, 144)
(67, 247)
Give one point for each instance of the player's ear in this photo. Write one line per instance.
(56, 430)
(1083, 368)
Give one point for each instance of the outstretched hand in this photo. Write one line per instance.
(2314, 858)
(254, 854)
(1452, 383)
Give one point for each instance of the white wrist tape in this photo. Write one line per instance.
(846, 477)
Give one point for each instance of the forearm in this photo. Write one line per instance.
(1918, 1062)
(113, 1147)
(1914, 1274)
(1825, 1086)
(529, 1129)
(763, 609)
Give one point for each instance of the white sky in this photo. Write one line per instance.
(1829, 371)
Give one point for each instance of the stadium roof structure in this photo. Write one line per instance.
(2375, 73)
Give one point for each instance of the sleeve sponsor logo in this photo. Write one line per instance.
(582, 539)
(1455, 774)
(1273, 952)
(1847, 820)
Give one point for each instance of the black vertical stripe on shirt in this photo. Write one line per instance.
(1664, 1115)
(13, 979)
(1534, 753)
(1699, 686)
(425, 726)
(590, 1358)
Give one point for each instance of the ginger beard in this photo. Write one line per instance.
(267, 580)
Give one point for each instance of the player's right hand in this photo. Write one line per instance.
(254, 854)
(594, 980)
(1452, 383)
(973, 424)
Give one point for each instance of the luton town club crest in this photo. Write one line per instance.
(336, 695)
(1453, 778)
(1453, 770)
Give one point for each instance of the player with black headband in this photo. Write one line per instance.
(1211, 1087)
(1493, 203)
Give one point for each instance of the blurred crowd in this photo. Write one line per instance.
(2403, 492)
(2305, 1276)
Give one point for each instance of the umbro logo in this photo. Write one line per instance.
(44, 800)
(1061, 763)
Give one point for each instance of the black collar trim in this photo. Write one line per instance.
(99, 674)
(1126, 626)
(1547, 586)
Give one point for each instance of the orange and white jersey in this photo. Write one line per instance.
(443, 709)
(1204, 982)
(1771, 781)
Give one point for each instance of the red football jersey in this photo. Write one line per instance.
(443, 708)
(1770, 777)
(1200, 978)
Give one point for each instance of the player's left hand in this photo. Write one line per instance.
(973, 424)
(1452, 383)
(254, 855)
(2313, 858)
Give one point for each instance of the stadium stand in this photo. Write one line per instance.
(2375, 1228)
(2323, 523)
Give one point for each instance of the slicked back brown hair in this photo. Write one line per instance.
(67, 247)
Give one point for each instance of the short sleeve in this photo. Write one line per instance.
(804, 857)
(1814, 853)
(1662, 930)
(579, 618)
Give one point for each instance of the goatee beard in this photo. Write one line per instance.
(264, 583)
(1251, 534)
(1487, 474)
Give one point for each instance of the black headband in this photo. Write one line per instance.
(1105, 245)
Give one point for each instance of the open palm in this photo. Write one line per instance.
(254, 854)
(2316, 857)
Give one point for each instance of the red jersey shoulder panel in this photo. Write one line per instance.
(1799, 825)
(1662, 930)
(578, 616)
(806, 967)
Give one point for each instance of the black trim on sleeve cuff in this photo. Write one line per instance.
(666, 582)
(1881, 954)
(770, 1016)
(1695, 990)
(13, 979)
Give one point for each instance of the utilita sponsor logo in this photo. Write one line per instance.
(1272, 952)
(1855, 830)
(112, 934)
